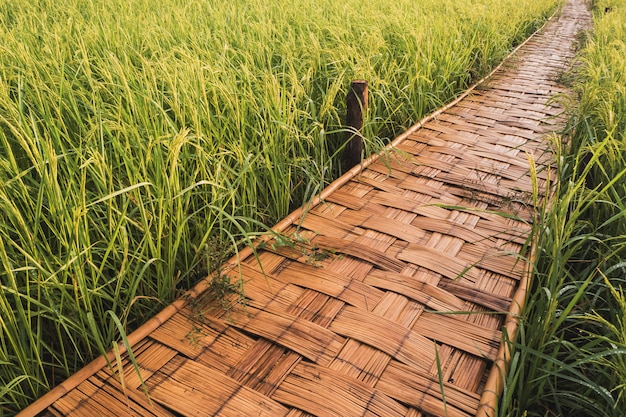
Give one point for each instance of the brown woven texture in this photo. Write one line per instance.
(387, 296)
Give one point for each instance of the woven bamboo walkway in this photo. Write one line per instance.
(386, 296)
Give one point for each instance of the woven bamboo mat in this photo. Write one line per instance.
(388, 295)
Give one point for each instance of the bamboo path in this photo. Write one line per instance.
(384, 297)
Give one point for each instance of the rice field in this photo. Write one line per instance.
(141, 142)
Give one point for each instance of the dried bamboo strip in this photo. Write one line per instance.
(355, 218)
(383, 169)
(67, 386)
(329, 227)
(189, 388)
(489, 138)
(504, 187)
(298, 413)
(444, 149)
(433, 162)
(361, 361)
(271, 261)
(507, 207)
(482, 181)
(325, 392)
(479, 101)
(531, 90)
(495, 99)
(501, 262)
(176, 333)
(421, 390)
(472, 125)
(463, 369)
(75, 403)
(427, 210)
(438, 125)
(327, 311)
(264, 366)
(261, 288)
(287, 298)
(430, 188)
(149, 360)
(115, 402)
(350, 267)
(414, 413)
(386, 335)
(380, 185)
(421, 144)
(135, 400)
(399, 309)
(541, 129)
(491, 165)
(472, 121)
(453, 331)
(534, 114)
(395, 228)
(455, 229)
(294, 301)
(51, 412)
(123, 361)
(502, 117)
(393, 165)
(375, 179)
(470, 163)
(344, 198)
(521, 160)
(442, 263)
(376, 240)
(277, 372)
(323, 280)
(217, 343)
(501, 169)
(372, 212)
(430, 295)
(479, 126)
(302, 336)
(480, 297)
(528, 135)
(360, 251)
(506, 228)
(286, 250)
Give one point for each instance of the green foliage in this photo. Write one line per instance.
(133, 132)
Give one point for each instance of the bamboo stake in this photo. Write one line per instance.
(356, 106)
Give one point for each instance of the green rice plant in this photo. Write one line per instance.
(557, 363)
(610, 339)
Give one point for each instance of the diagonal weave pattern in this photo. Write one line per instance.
(391, 289)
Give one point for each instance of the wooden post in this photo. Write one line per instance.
(356, 105)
